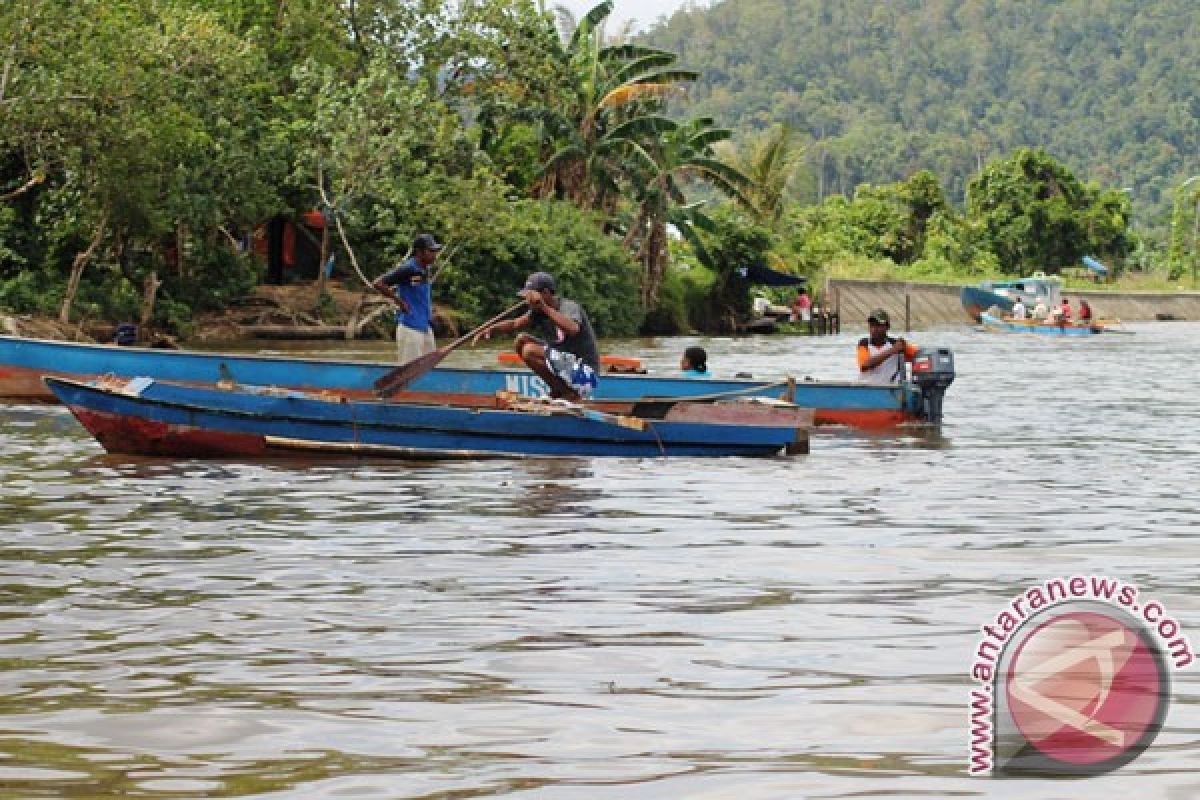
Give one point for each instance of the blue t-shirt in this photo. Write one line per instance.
(696, 373)
(411, 282)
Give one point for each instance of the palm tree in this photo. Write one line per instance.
(602, 86)
(771, 162)
(603, 137)
(663, 154)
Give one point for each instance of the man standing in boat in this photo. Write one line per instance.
(881, 358)
(565, 355)
(408, 287)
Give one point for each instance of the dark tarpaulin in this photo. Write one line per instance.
(765, 276)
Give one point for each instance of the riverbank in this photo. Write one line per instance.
(294, 311)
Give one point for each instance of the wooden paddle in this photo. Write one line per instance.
(403, 375)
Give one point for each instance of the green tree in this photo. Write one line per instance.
(143, 120)
(732, 245)
(1033, 212)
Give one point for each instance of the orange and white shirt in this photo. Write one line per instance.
(891, 370)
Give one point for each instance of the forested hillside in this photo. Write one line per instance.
(882, 89)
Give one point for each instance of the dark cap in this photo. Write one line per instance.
(538, 281)
(425, 241)
(879, 316)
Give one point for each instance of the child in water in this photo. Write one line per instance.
(694, 363)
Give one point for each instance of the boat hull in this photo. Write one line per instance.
(994, 323)
(23, 363)
(146, 417)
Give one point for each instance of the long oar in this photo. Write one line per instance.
(403, 375)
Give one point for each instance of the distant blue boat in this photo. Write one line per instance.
(142, 416)
(994, 323)
(23, 363)
(1002, 294)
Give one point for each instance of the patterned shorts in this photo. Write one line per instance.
(576, 374)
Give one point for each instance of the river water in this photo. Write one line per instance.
(646, 629)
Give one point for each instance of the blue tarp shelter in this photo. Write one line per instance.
(765, 276)
(1095, 266)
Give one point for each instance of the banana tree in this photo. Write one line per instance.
(674, 153)
(600, 87)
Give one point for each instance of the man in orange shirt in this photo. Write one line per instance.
(881, 357)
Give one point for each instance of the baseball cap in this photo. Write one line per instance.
(879, 316)
(425, 241)
(538, 281)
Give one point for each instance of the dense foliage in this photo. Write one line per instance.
(881, 90)
(143, 141)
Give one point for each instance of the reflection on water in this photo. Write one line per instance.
(584, 628)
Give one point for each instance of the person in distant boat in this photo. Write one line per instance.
(1064, 311)
(1040, 311)
(407, 285)
(694, 363)
(565, 355)
(1018, 310)
(881, 358)
(802, 307)
(1085, 311)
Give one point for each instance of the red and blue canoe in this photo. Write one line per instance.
(142, 416)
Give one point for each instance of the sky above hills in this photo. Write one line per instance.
(644, 13)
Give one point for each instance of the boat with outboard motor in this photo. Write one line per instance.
(23, 362)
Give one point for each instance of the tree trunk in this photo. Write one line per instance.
(149, 295)
(322, 277)
(180, 239)
(77, 266)
(635, 228)
(352, 323)
(654, 256)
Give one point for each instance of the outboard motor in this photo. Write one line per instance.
(933, 372)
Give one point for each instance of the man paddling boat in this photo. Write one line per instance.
(565, 355)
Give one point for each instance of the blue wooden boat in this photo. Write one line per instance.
(23, 362)
(992, 322)
(142, 416)
(1002, 294)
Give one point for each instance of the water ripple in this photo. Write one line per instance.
(577, 628)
